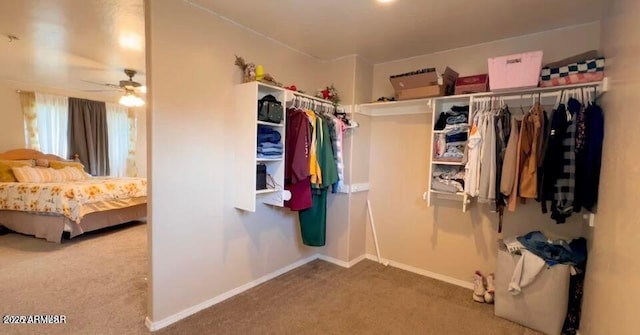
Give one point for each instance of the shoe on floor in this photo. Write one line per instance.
(478, 287)
(489, 295)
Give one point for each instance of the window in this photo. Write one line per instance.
(52, 119)
(118, 127)
(49, 132)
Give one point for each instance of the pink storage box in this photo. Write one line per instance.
(515, 71)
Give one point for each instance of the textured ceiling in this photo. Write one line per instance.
(328, 29)
(63, 42)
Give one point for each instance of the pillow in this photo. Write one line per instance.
(70, 173)
(27, 174)
(63, 164)
(6, 174)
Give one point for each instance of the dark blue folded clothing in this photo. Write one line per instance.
(270, 150)
(267, 134)
(271, 145)
(459, 137)
(272, 138)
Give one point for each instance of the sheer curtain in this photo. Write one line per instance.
(52, 122)
(118, 125)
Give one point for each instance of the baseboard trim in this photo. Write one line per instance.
(437, 276)
(341, 262)
(153, 326)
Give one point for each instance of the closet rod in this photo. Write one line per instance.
(553, 90)
(302, 95)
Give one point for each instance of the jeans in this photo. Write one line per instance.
(555, 252)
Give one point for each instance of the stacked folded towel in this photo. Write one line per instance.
(269, 145)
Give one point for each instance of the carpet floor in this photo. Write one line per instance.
(322, 298)
(97, 281)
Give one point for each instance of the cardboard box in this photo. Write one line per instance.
(421, 92)
(427, 83)
(472, 84)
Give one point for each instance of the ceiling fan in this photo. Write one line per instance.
(124, 85)
(131, 89)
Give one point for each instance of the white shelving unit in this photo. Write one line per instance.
(438, 105)
(245, 108)
(246, 98)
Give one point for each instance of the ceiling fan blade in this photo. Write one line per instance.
(141, 89)
(102, 84)
(100, 90)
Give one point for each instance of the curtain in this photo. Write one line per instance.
(88, 134)
(49, 131)
(132, 169)
(118, 124)
(28, 102)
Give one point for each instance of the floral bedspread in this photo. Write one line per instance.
(68, 198)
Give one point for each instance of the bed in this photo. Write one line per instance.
(48, 210)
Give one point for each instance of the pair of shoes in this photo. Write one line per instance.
(482, 293)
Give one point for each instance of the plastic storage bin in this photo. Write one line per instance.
(516, 71)
(575, 73)
(542, 305)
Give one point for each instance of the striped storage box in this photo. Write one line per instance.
(576, 73)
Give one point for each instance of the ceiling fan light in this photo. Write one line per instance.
(131, 100)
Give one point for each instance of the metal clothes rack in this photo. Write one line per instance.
(320, 105)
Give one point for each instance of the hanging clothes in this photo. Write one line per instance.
(509, 166)
(513, 196)
(472, 167)
(336, 130)
(296, 172)
(531, 145)
(589, 139)
(503, 132)
(313, 221)
(565, 184)
(559, 179)
(314, 168)
(488, 159)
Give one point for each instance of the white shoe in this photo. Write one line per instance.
(478, 287)
(489, 295)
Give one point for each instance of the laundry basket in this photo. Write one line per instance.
(542, 305)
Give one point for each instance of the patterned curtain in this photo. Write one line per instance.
(132, 169)
(28, 101)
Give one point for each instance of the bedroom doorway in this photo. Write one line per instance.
(73, 165)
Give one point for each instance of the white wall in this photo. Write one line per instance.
(12, 125)
(201, 246)
(442, 239)
(556, 44)
(612, 286)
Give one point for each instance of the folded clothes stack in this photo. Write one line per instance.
(455, 124)
(269, 145)
(448, 179)
(458, 116)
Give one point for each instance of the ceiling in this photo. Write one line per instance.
(63, 42)
(328, 29)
